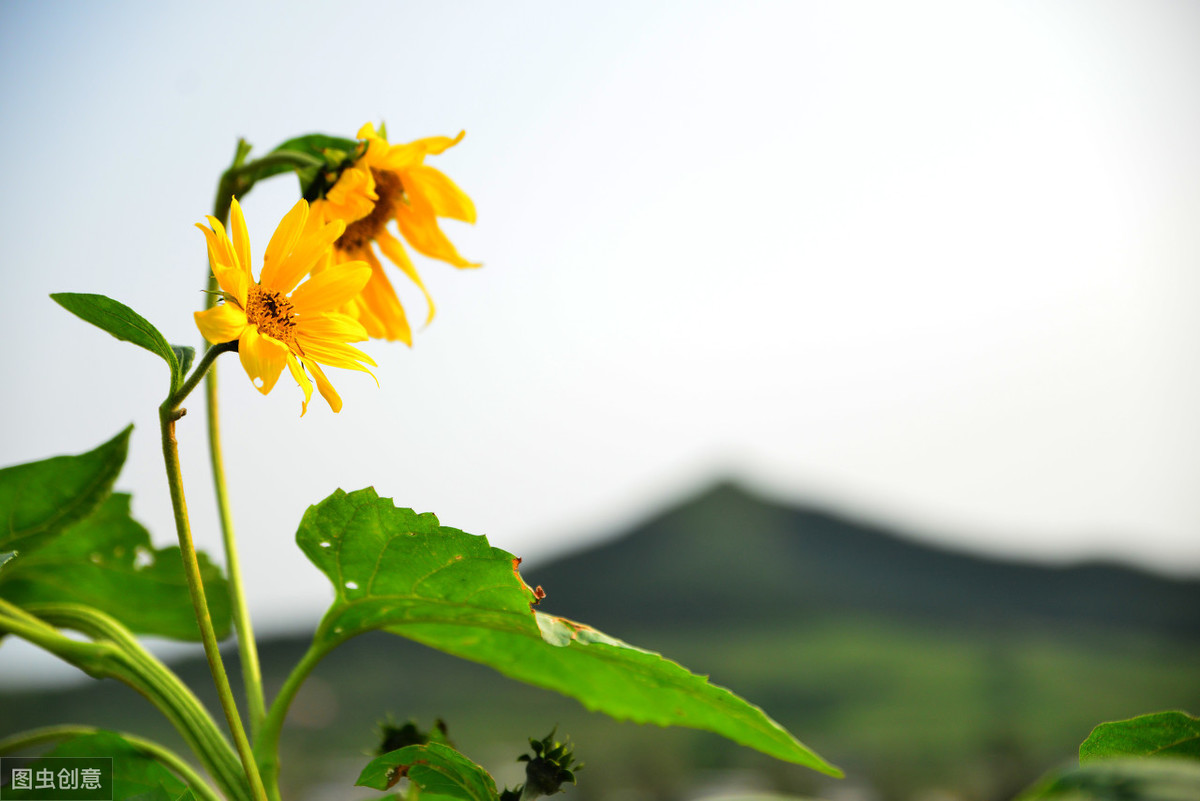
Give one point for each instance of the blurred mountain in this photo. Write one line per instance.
(921, 671)
(731, 558)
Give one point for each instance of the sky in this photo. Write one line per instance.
(929, 264)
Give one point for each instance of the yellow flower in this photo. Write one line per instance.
(392, 182)
(277, 320)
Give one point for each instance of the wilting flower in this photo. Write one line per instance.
(392, 182)
(277, 320)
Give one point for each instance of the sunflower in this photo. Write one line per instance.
(277, 320)
(392, 182)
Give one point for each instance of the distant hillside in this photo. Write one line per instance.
(728, 555)
(924, 673)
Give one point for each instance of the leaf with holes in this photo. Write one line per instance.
(106, 561)
(39, 499)
(1175, 734)
(437, 769)
(396, 570)
(123, 323)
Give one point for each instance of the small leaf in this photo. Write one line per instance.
(40, 499)
(123, 323)
(134, 772)
(396, 570)
(1158, 734)
(184, 354)
(437, 769)
(1121, 780)
(106, 561)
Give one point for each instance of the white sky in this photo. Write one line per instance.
(933, 264)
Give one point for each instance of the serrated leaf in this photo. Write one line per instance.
(1121, 780)
(185, 355)
(435, 768)
(123, 323)
(1173, 733)
(396, 570)
(106, 561)
(134, 773)
(40, 499)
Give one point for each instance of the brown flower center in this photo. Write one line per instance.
(272, 313)
(359, 233)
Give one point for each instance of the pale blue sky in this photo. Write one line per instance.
(934, 264)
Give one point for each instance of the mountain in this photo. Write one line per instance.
(921, 671)
(730, 557)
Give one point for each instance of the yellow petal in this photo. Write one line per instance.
(302, 379)
(367, 131)
(241, 240)
(332, 326)
(282, 242)
(263, 358)
(419, 225)
(233, 279)
(324, 387)
(309, 249)
(334, 354)
(222, 323)
(445, 197)
(395, 252)
(434, 145)
(331, 288)
(379, 299)
(351, 198)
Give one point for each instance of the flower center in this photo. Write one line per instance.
(359, 233)
(272, 313)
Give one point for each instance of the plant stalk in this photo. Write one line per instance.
(168, 414)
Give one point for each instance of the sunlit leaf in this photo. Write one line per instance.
(437, 769)
(1174, 734)
(123, 323)
(106, 561)
(396, 570)
(40, 499)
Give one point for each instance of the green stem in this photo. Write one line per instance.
(206, 362)
(160, 753)
(266, 747)
(237, 180)
(167, 417)
(247, 645)
(154, 680)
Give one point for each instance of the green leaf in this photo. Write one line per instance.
(184, 354)
(1158, 734)
(1121, 780)
(157, 794)
(106, 561)
(134, 772)
(334, 152)
(437, 769)
(40, 499)
(123, 323)
(396, 570)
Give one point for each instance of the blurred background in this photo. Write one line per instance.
(765, 284)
